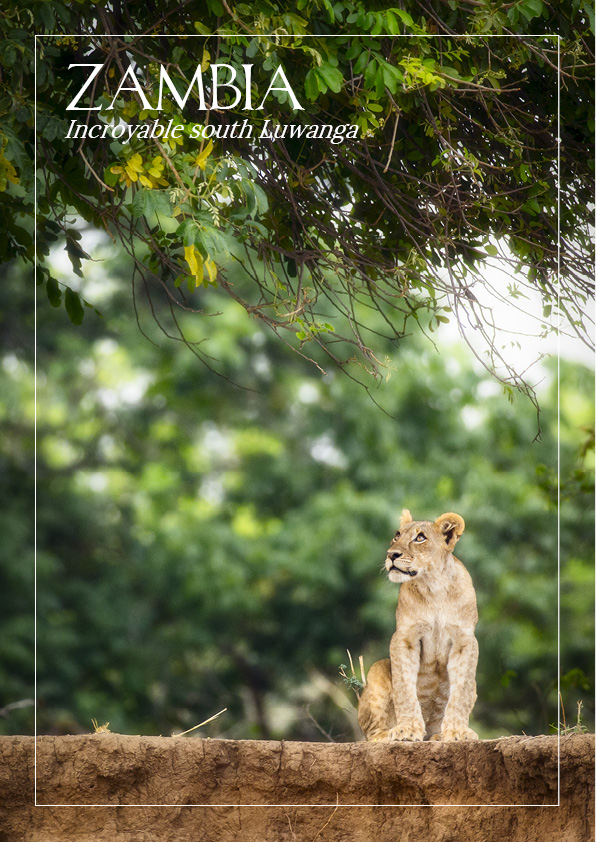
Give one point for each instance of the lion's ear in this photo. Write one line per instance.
(405, 518)
(452, 526)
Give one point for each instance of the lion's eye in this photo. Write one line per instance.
(420, 538)
(397, 534)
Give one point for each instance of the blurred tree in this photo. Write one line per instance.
(205, 546)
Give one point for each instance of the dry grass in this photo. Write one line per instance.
(578, 727)
(355, 683)
(200, 725)
(100, 729)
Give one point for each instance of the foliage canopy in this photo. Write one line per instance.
(455, 165)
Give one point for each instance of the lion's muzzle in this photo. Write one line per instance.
(390, 565)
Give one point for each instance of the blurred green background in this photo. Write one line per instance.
(204, 545)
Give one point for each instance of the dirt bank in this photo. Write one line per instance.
(115, 770)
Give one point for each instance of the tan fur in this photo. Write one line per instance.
(427, 688)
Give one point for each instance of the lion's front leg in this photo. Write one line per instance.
(405, 664)
(461, 669)
(375, 709)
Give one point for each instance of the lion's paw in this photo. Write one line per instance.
(408, 729)
(379, 737)
(454, 733)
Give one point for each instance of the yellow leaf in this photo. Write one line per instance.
(211, 270)
(190, 257)
(201, 159)
(205, 61)
(116, 169)
(7, 172)
(131, 173)
(135, 163)
(146, 182)
(195, 263)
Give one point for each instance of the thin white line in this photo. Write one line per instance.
(307, 806)
(35, 404)
(558, 417)
(345, 35)
(277, 35)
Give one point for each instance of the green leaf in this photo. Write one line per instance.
(140, 204)
(259, 196)
(370, 73)
(362, 62)
(110, 178)
(530, 9)
(332, 77)
(161, 203)
(490, 249)
(379, 82)
(50, 126)
(392, 24)
(74, 308)
(74, 251)
(330, 11)
(311, 87)
(536, 6)
(189, 232)
(389, 79)
(354, 50)
(321, 83)
(378, 27)
(148, 201)
(47, 16)
(214, 240)
(54, 293)
(259, 227)
(405, 17)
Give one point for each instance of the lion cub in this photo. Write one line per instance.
(427, 688)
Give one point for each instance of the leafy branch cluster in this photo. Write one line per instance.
(455, 166)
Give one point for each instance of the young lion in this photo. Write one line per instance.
(427, 688)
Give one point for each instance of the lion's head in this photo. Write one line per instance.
(421, 546)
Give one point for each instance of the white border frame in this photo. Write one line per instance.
(558, 184)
